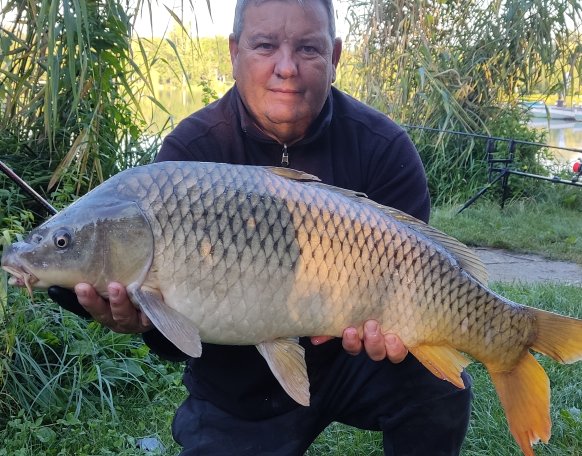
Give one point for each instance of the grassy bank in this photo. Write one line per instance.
(72, 387)
(552, 228)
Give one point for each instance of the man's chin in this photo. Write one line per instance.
(290, 118)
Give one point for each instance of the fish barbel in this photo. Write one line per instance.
(244, 255)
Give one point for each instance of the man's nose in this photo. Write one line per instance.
(286, 65)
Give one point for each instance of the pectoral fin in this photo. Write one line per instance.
(286, 358)
(444, 362)
(174, 326)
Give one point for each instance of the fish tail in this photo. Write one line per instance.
(524, 393)
(558, 337)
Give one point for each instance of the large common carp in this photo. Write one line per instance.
(258, 256)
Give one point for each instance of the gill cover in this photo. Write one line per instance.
(95, 240)
(124, 240)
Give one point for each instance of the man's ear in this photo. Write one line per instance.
(336, 54)
(233, 48)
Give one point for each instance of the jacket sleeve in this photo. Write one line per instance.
(67, 299)
(162, 347)
(172, 149)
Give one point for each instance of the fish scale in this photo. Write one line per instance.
(259, 256)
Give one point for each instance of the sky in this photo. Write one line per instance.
(220, 24)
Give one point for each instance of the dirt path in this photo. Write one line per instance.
(506, 266)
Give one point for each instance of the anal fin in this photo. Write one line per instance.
(443, 361)
(173, 325)
(286, 358)
(524, 393)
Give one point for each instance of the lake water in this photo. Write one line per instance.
(562, 133)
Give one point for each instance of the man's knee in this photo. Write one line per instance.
(436, 427)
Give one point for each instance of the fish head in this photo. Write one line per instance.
(96, 241)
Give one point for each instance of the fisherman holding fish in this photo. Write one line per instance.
(283, 111)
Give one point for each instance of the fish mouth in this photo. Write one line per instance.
(20, 277)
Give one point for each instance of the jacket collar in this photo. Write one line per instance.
(249, 127)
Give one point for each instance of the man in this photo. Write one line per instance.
(283, 111)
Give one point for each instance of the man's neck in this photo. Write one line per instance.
(282, 134)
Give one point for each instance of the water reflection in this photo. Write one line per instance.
(176, 103)
(562, 133)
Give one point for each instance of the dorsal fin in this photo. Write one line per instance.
(294, 174)
(466, 257)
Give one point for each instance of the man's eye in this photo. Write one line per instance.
(308, 49)
(265, 46)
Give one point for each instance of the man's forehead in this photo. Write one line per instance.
(301, 3)
(259, 35)
(310, 7)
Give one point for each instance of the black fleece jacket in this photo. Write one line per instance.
(349, 145)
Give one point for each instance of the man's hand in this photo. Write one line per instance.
(117, 313)
(377, 345)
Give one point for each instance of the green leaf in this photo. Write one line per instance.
(45, 434)
(3, 294)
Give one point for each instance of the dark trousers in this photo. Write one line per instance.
(418, 414)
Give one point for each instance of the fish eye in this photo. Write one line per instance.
(62, 239)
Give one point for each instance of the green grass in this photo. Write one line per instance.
(94, 434)
(71, 387)
(550, 228)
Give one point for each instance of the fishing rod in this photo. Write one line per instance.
(27, 188)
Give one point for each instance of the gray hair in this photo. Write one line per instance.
(241, 6)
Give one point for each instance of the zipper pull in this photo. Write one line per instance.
(285, 157)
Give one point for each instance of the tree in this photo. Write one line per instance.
(461, 65)
(69, 91)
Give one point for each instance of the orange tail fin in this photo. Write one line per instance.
(525, 395)
(558, 337)
(525, 390)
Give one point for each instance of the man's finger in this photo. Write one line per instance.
(351, 341)
(374, 343)
(318, 340)
(145, 321)
(93, 303)
(395, 349)
(126, 316)
(121, 307)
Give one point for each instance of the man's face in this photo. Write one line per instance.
(284, 64)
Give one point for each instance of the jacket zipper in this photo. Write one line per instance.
(285, 157)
